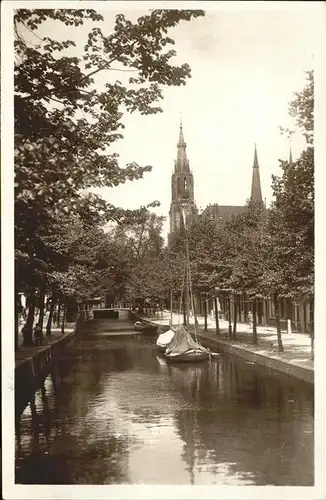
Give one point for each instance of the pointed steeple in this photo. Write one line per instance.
(290, 157)
(256, 157)
(256, 195)
(182, 163)
(181, 138)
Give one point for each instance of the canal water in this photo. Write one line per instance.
(113, 411)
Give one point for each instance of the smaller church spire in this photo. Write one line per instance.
(290, 157)
(256, 157)
(182, 163)
(256, 195)
(181, 142)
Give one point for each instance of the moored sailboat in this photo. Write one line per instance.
(183, 347)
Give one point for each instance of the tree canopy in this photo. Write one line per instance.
(66, 125)
(291, 217)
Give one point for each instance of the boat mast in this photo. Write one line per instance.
(187, 281)
(192, 301)
(189, 295)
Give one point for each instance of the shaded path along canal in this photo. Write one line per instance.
(115, 412)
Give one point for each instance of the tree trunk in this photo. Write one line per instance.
(229, 316)
(41, 315)
(245, 308)
(278, 323)
(216, 317)
(52, 307)
(205, 313)
(59, 313)
(17, 307)
(235, 312)
(254, 322)
(260, 312)
(64, 310)
(28, 327)
(312, 327)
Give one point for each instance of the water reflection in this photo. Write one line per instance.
(117, 412)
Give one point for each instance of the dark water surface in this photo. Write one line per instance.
(114, 412)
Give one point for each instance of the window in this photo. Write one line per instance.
(177, 219)
(185, 188)
(178, 186)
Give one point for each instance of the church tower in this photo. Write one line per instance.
(182, 187)
(256, 196)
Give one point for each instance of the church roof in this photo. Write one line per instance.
(223, 212)
(232, 209)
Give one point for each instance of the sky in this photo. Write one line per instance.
(247, 60)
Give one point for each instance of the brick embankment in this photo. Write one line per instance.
(294, 361)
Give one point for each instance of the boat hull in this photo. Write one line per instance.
(146, 329)
(188, 357)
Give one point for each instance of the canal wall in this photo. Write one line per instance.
(31, 371)
(244, 352)
(249, 354)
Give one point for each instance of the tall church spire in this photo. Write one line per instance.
(182, 188)
(256, 157)
(290, 157)
(256, 195)
(182, 163)
(181, 138)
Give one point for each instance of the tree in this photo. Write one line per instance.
(228, 258)
(142, 229)
(290, 262)
(148, 271)
(249, 237)
(209, 266)
(302, 109)
(65, 126)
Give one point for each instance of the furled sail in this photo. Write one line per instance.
(182, 342)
